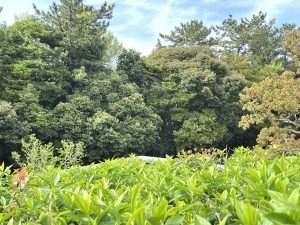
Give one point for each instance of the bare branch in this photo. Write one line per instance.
(286, 120)
(295, 131)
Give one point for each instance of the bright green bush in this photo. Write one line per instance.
(38, 155)
(250, 189)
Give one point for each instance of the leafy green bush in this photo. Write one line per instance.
(250, 189)
(70, 154)
(38, 155)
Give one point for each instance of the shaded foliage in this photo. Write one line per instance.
(197, 97)
(11, 129)
(110, 117)
(27, 60)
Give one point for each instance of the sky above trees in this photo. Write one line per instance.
(137, 23)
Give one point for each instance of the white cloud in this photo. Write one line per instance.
(272, 7)
(145, 47)
(137, 23)
(13, 8)
(165, 15)
(161, 20)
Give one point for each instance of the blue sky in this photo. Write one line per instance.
(137, 23)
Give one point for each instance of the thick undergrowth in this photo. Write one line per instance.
(191, 189)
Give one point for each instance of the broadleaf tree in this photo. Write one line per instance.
(110, 117)
(197, 97)
(274, 103)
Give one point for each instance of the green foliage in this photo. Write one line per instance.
(274, 103)
(81, 33)
(194, 130)
(112, 48)
(249, 189)
(109, 117)
(131, 64)
(5, 189)
(197, 97)
(253, 72)
(28, 59)
(255, 36)
(11, 129)
(61, 80)
(70, 154)
(188, 34)
(291, 46)
(55, 71)
(33, 115)
(38, 155)
(251, 44)
(10, 125)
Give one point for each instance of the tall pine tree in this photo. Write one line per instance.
(80, 30)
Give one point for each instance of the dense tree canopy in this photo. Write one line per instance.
(65, 76)
(291, 44)
(110, 117)
(275, 103)
(80, 32)
(54, 73)
(11, 129)
(197, 97)
(26, 60)
(131, 64)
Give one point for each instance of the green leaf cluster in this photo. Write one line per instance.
(197, 97)
(249, 189)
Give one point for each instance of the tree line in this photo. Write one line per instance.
(233, 84)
